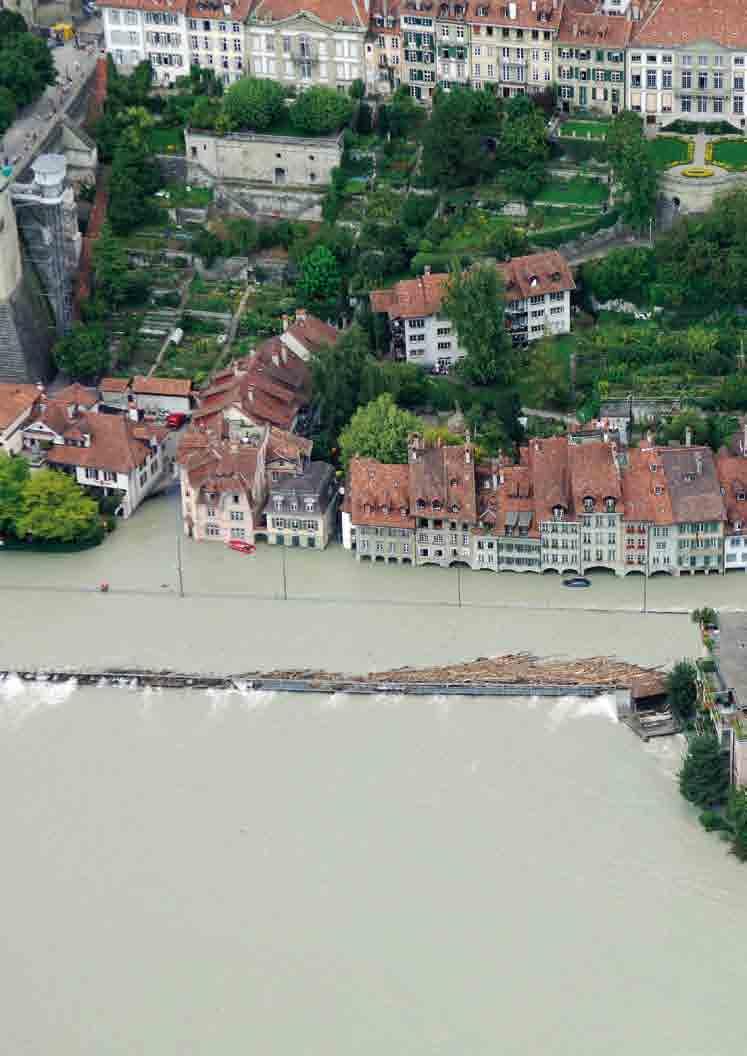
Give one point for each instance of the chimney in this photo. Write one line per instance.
(284, 353)
(285, 322)
(300, 316)
(688, 437)
(427, 269)
(699, 464)
(250, 395)
(276, 359)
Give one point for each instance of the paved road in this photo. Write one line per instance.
(73, 66)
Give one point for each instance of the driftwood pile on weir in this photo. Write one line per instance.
(512, 669)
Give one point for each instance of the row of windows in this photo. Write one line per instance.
(205, 43)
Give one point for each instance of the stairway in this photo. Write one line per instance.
(13, 365)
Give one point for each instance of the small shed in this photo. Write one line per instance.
(159, 396)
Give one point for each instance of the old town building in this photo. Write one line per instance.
(216, 36)
(384, 64)
(301, 510)
(155, 30)
(590, 61)
(686, 60)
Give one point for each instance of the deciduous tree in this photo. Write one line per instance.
(319, 281)
(682, 691)
(14, 472)
(320, 109)
(55, 509)
(253, 103)
(474, 303)
(83, 354)
(378, 430)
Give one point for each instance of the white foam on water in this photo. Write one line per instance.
(21, 699)
(255, 699)
(574, 707)
(668, 752)
(335, 702)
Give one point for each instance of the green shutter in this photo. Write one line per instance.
(608, 75)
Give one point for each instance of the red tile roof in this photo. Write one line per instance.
(687, 22)
(379, 494)
(645, 491)
(594, 473)
(529, 276)
(544, 15)
(114, 384)
(173, 7)
(442, 480)
(732, 475)
(78, 394)
(311, 331)
(207, 9)
(579, 28)
(223, 465)
(15, 400)
(327, 11)
(161, 386)
(114, 444)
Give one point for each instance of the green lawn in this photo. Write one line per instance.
(584, 129)
(578, 191)
(178, 195)
(668, 150)
(165, 140)
(731, 153)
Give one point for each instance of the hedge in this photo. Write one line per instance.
(712, 128)
(559, 235)
(583, 149)
(438, 262)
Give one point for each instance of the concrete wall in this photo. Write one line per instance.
(10, 251)
(277, 161)
(697, 195)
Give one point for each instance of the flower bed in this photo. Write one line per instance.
(697, 172)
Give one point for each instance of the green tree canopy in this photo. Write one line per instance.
(253, 103)
(736, 816)
(26, 63)
(83, 353)
(134, 177)
(111, 270)
(704, 779)
(474, 303)
(337, 377)
(634, 168)
(401, 115)
(379, 430)
(682, 691)
(319, 110)
(452, 151)
(8, 108)
(55, 509)
(624, 274)
(523, 142)
(14, 472)
(319, 281)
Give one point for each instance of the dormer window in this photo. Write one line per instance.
(454, 507)
(437, 505)
(403, 511)
(385, 510)
(658, 491)
(588, 504)
(740, 496)
(652, 467)
(610, 505)
(453, 482)
(737, 526)
(558, 512)
(482, 12)
(420, 504)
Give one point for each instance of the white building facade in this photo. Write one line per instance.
(147, 29)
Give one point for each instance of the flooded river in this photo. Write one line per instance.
(196, 873)
(217, 874)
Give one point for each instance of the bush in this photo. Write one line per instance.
(712, 821)
(319, 110)
(583, 149)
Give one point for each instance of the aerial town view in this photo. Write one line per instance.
(373, 527)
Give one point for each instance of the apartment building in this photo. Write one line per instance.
(686, 60)
(590, 54)
(442, 493)
(318, 42)
(418, 27)
(538, 302)
(140, 30)
(453, 45)
(511, 44)
(384, 65)
(301, 509)
(376, 519)
(216, 36)
(566, 507)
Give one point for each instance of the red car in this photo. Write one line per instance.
(241, 547)
(175, 420)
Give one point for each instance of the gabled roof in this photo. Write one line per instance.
(579, 28)
(222, 465)
(732, 475)
(676, 23)
(311, 332)
(161, 386)
(15, 400)
(239, 9)
(114, 384)
(116, 444)
(443, 478)
(693, 483)
(594, 472)
(78, 394)
(379, 494)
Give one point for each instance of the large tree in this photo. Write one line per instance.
(378, 430)
(55, 509)
(253, 103)
(682, 691)
(474, 302)
(83, 353)
(14, 472)
(26, 64)
(634, 168)
(704, 779)
(337, 375)
(134, 177)
(319, 281)
(8, 109)
(523, 142)
(452, 151)
(736, 816)
(320, 109)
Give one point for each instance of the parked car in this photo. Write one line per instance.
(175, 420)
(577, 581)
(242, 547)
